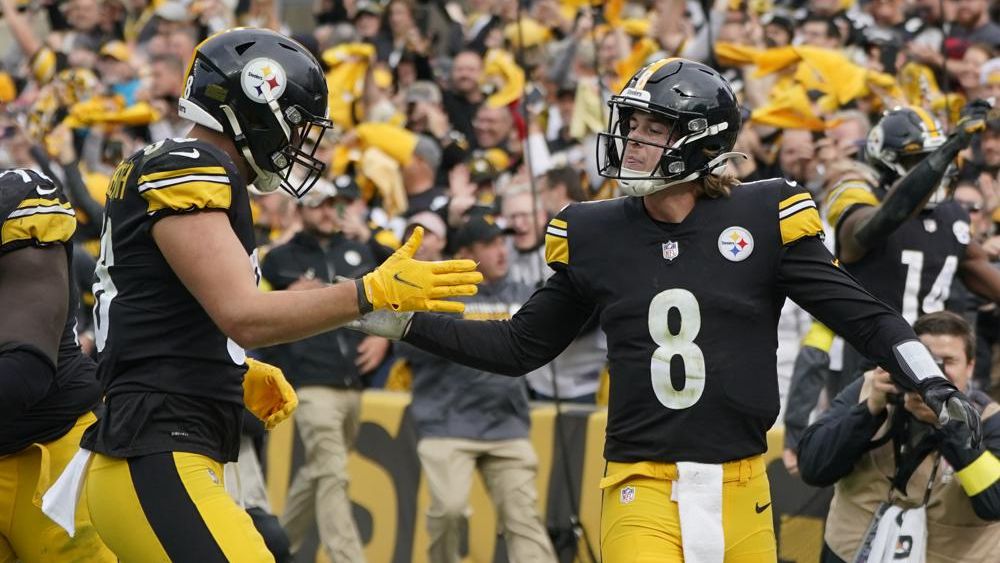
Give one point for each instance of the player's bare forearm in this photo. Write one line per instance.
(978, 275)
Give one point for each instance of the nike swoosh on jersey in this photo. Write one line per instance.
(402, 281)
(760, 508)
(44, 192)
(193, 154)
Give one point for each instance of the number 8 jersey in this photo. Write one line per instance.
(690, 311)
(172, 379)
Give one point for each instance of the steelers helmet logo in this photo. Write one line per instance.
(263, 80)
(735, 244)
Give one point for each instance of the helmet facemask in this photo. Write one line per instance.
(670, 142)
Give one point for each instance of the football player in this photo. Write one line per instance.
(687, 274)
(177, 301)
(905, 239)
(48, 387)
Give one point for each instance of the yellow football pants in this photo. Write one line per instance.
(640, 524)
(26, 534)
(170, 506)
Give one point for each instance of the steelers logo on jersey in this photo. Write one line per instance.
(735, 244)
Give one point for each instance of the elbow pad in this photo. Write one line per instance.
(26, 375)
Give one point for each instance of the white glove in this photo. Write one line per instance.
(384, 323)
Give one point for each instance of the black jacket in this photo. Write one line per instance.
(328, 358)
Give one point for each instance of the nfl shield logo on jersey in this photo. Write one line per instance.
(671, 250)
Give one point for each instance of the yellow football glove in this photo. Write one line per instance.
(267, 394)
(404, 284)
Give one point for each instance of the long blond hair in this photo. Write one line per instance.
(718, 185)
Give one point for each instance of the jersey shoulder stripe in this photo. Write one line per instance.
(183, 175)
(819, 337)
(845, 196)
(798, 216)
(34, 211)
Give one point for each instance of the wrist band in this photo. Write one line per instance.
(364, 305)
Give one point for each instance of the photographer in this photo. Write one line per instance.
(905, 485)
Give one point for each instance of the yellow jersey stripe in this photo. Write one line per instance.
(46, 228)
(559, 223)
(803, 223)
(154, 176)
(980, 474)
(40, 202)
(556, 250)
(189, 195)
(789, 201)
(844, 197)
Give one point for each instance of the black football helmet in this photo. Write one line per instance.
(700, 110)
(268, 94)
(901, 139)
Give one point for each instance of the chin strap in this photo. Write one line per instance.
(265, 181)
(717, 165)
(642, 186)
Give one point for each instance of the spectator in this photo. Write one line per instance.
(464, 96)
(469, 419)
(883, 452)
(327, 372)
(973, 22)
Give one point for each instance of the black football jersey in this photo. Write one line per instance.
(690, 311)
(913, 270)
(35, 212)
(172, 379)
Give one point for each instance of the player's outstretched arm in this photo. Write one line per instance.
(978, 274)
(536, 334)
(810, 276)
(203, 251)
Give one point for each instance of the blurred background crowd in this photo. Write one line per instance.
(465, 109)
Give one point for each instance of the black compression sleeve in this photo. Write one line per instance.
(536, 334)
(909, 193)
(808, 275)
(26, 375)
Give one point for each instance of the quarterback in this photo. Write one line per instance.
(177, 301)
(687, 274)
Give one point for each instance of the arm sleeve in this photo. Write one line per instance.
(811, 277)
(536, 334)
(832, 445)
(978, 469)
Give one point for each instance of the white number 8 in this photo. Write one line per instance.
(680, 344)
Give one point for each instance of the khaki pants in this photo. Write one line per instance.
(327, 420)
(508, 467)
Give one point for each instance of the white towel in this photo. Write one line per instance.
(59, 502)
(698, 491)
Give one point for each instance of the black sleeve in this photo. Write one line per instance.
(811, 277)
(987, 502)
(831, 446)
(536, 334)
(808, 378)
(26, 377)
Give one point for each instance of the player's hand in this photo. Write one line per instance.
(955, 415)
(880, 386)
(973, 120)
(371, 351)
(791, 460)
(403, 284)
(383, 323)
(267, 394)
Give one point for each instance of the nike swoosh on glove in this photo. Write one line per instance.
(403, 284)
(955, 412)
(267, 394)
